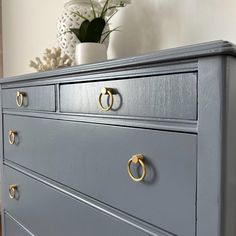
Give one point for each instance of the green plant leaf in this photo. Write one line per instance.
(83, 31)
(90, 31)
(95, 29)
(75, 31)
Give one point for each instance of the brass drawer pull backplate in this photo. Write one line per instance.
(137, 159)
(106, 91)
(12, 137)
(12, 191)
(20, 98)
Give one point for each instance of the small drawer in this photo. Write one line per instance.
(41, 98)
(94, 160)
(47, 212)
(168, 96)
(12, 228)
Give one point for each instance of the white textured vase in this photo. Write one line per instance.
(90, 53)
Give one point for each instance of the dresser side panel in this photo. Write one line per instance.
(211, 105)
(229, 158)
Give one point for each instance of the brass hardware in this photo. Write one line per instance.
(137, 159)
(20, 98)
(12, 137)
(12, 191)
(106, 91)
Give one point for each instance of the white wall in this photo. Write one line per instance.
(29, 26)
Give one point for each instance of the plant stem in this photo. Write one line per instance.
(108, 33)
(65, 32)
(78, 14)
(94, 13)
(110, 8)
(111, 17)
(104, 8)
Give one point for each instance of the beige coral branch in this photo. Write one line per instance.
(52, 59)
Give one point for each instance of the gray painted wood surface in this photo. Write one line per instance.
(45, 211)
(40, 98)
(210, 150)
(86, 154)
(229, 157)
(147, 60)
(102, 207)
(12, 228)
(190, 66)
(169, 96)
(211, 144)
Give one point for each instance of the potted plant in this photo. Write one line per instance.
(93, 33)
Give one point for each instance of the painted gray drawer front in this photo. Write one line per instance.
(40, 98)
(12, 228)
(47, 212)
(168, 96)
(93, 159)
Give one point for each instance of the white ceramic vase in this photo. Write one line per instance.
(90, 53)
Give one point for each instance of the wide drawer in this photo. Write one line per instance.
(12, 228)
(40, 98)
(48, 212)
(168, 96)
(93, 160)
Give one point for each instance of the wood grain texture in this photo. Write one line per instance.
(169, 96)
(45, 211)
(97, 155)
(41, 98)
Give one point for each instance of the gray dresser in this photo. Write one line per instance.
(143, 146)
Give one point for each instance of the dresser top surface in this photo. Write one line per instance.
(162, 56)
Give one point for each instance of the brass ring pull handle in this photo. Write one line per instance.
(12, 137)
(19, 98)
(106, 91)
(12, 191)
(137, 159)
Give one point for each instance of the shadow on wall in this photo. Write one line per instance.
(142, 25)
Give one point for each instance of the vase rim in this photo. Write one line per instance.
(91, 43)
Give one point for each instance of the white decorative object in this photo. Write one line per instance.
(52, 59)
(67, 41)
(90, 53)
